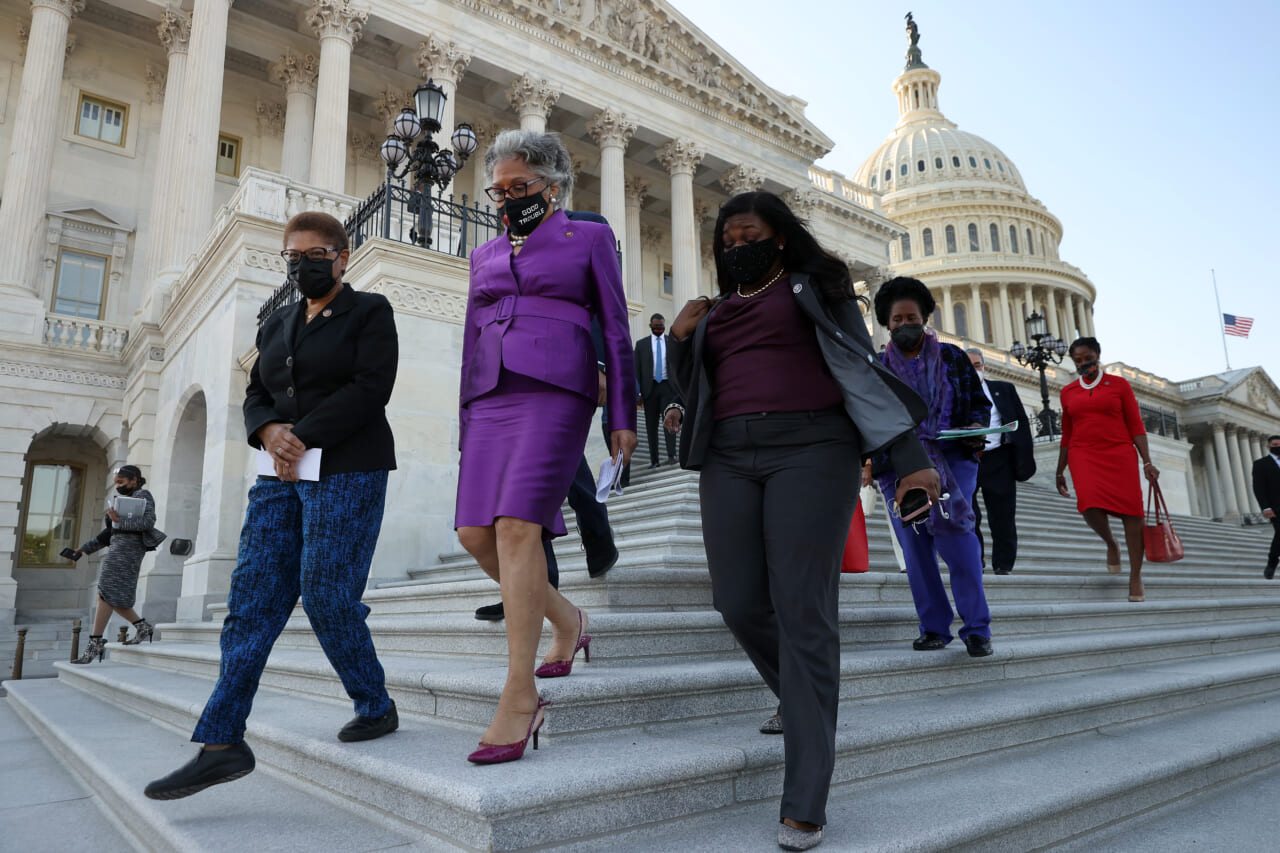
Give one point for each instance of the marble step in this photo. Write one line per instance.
(596, 783)
(607, 694)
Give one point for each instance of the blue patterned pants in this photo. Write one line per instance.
(308, 539)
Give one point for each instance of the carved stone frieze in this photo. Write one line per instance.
(680, 156)
(174, 30)
(365, 145)
(337, 19)
(422, 300)
(24, 35)
(270, 117)
(70, 8)
(802, 201)
(441, 60)
(57, 374)
(531, 96)
(260, 260)
(155, 83)
(609, 127)
(741, 179)
(652, 237)
(388, 104)
(297, 73)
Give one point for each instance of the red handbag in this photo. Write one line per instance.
(856, 558)
(1159, 540)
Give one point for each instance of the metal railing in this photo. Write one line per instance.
(396, 212)
(1160, 422)
(286, 294)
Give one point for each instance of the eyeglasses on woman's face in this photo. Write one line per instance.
(521, 190)
(318, 253)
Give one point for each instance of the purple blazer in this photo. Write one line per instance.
(531, 314)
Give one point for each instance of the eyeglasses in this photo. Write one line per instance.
(319, 253)
(498, 194)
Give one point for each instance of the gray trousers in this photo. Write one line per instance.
(778, 493)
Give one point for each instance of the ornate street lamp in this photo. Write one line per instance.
(1045, 350)
(411, 149)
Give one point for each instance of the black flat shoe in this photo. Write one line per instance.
(210, 767)
(490, 612)
(602, 554)
(368, 728)
(929, 642)
(1002, 571)
(1269, 572)
(979, 647)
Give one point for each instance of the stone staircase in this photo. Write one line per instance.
(47, 642)
(1093, 717)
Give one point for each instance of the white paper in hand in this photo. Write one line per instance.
(610, 475)
(308, 467)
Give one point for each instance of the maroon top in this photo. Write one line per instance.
(764, 357)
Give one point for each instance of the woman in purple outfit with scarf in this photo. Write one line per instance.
(944, 377)
(529, 388)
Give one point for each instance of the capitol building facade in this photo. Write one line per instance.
(153, 152)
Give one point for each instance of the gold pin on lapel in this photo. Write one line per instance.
(568, 233)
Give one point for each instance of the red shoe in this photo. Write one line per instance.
(500, 753)
(559, 668)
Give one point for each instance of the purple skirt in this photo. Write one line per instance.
(523, 444)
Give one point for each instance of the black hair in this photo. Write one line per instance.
(133, 472)
(800, 253)
(1272, 438)
(657, 317)
(896, 289)
(1091, 343)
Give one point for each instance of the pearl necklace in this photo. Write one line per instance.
(761, 290)
(516, 240)
(1089, 386)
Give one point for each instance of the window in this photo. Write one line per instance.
(873, 182)
(1013, 239)
(102, 119)
(995, 238)
(52, 513)
(951, 239)
(1030, 246)
(903, 170)
(888, 175)
(986, 322)
(973, 162)
(666, 279)
(228, 155)
(962, 325)
(973, 238)
(80, 284)
(987, 163)
(955, 161)
(906, 247)
(919, 165)
(928, 242)
(1001, 166)
(937, 162)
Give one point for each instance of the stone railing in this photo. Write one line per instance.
(90, 336)
(837, 184)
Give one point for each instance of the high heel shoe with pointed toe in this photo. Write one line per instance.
(560, 668)
(500, 753)
(146, 631)
(96, 649)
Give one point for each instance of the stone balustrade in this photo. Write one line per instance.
(838, 185)
(80, 334)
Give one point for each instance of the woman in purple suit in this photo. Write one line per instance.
(529, 388)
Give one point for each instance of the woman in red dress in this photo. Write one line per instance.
(1101, 427)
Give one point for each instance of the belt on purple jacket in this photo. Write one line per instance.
(533, 306)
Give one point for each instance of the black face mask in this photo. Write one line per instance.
(750, 262)
(1275, 451)
(1087, 369)
(657, 330)
(126, 490)
(524, 214)
(908, 336)
(313, 278)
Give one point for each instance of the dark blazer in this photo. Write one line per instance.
(333, 384)
(644, 363)
(1010, 407)
(883, 408)
(1266, 482)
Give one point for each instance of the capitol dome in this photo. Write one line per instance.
(971, 230)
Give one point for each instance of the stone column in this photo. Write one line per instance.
(298, 75)
(1028, 306)
(32, 141)
(1247, 500)
(948, 323)
(1051, 312)
(1006, 331)
(338, 26)
(1258, 446)
(741, 179)
(1088, 319)
(201, 117)
(611, 131)
(975, 313)
(681, 158)
(444, 64)
(1217, 504)
(701, 210)
(532, 100)
(485, 134)
(1226, 467)
(633, 272)
(174, 32)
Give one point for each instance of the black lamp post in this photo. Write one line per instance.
(1045, 350)
(428, 164)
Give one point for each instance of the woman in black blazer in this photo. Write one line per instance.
(321, 382)
(783, 399)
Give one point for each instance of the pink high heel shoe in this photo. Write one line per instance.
(559, 668)
(500, 753)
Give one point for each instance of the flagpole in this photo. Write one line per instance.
(1222, 329)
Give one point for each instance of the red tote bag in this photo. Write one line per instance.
(856, 557)
(1159, 540)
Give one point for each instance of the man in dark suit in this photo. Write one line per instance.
(1007, 459)
(656, 388)
(1266, 486)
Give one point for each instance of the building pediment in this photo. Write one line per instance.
(95, 216)
(654, 39)
(1257, 391)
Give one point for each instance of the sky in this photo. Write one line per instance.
(1148, 129)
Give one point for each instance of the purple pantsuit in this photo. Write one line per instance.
(529, 371)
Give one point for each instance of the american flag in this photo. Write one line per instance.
(1234, 324)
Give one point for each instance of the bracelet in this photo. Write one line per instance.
(1148, 465)
(1062, 476)
(671, 406)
